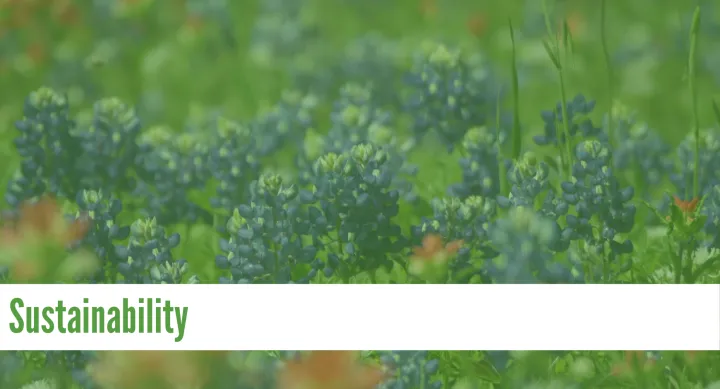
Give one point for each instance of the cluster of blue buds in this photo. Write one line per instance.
(286, 122)
(528, 178)
(105, 232)
(524, 240)
(468, 220)
(376, 60)
(448, 97)
(47, 147)
(74, 362)
(711, 208)
(709, 174)
(357, 118)
(640, 150)
(595, 194)
(353, 206)
(171, 166)
(409, 370)
(109, 146)
(147, 258)
(23, 187)
(71, 74)
(481, 166)
(578, 112)
(233, 162)
(266, 241)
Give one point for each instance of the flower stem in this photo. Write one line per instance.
(554, 54)
(694, 33)
(609, 67)
(516, 135)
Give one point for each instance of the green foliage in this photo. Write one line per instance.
(270, 141)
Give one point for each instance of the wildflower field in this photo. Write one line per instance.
(340, 141)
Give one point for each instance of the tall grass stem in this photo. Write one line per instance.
(692, 79)
(609, 69)
(516, 133)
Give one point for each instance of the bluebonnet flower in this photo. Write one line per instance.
(641, 151)
(281, 31)
(595, 194)
(481, 166)
(578, 111)
(528, 179)
(11, 363)
(233, 162)
(524, 239)
(171, 166)
(147, 258)
(105, 231)
(709, 174)
(71, 74)
(448, 97)
(266, 242)
(468, 221)
(409, 370)
(376, 60)
(286, 122)
(109, 146)
(711, 208)
(356, 118)
(47, 147)
(72, 362)
(22, 187)
(353, 207)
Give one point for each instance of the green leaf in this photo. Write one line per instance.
(552, 163)
(711, 265)
(655, 211)
(485, 371)
(552, 54)
(716, 111)
(697, 224)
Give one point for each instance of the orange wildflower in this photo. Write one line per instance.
(43, 219)
(329, 370)
(67, 13)
(686, 206)
(21, 17)
(477, 24)
(428, 8)
(40, 222)
(128, 369)
(575, 23)
(194, 22)
(36, 52)
(432, 246)
(632, 359)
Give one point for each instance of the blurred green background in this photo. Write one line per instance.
(179, 58)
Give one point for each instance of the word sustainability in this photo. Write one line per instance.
(148, 316)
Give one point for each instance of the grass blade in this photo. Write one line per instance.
(609, 69)
(692, 79)
(516, 135)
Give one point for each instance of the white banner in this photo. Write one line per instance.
(360, 317)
